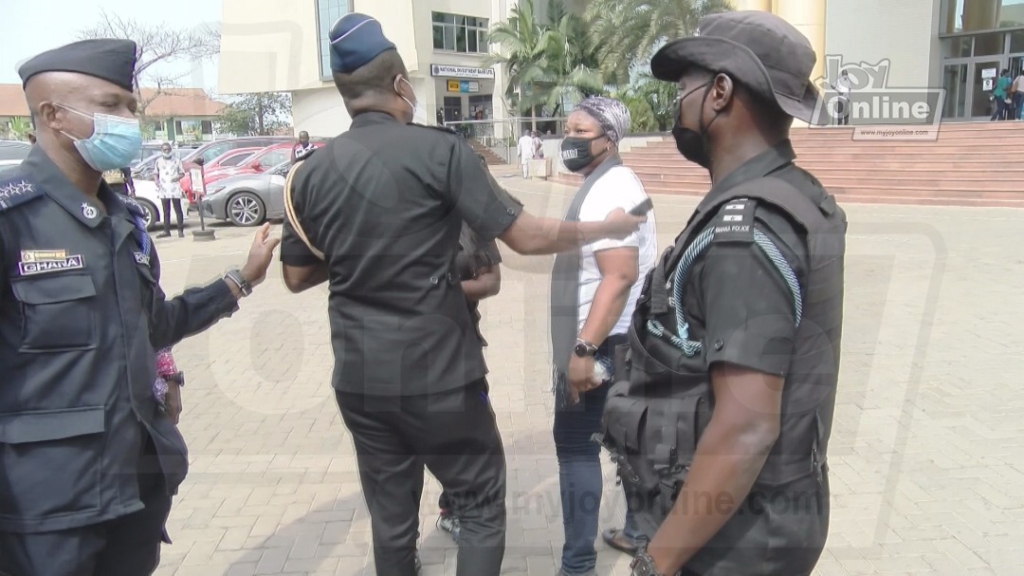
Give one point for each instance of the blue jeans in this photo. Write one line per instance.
(579, 474)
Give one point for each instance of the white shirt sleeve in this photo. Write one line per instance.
(618, 188)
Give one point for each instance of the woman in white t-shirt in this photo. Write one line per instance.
(593, 296)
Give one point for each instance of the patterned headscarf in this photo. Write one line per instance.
(612, 115)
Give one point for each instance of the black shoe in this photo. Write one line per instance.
(181, 233)
(164, 235)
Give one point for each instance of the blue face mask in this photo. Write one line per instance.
(114, 143)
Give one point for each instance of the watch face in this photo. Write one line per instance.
(582, 350)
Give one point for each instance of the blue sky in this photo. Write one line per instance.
(29, 27)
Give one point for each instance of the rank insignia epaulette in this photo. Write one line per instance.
(132, 206)
(735, 221)
(16, 191)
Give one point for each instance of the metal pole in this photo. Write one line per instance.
(202, 235)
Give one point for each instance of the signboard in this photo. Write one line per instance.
(198, 186)
(989, 72)
(463, 86)
(461, 72)
(986, 84)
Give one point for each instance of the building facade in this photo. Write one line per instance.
(282, 46)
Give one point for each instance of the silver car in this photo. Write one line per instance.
(249, 199)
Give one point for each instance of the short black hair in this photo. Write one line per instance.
(375, 78)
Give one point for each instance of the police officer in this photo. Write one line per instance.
(377, 214)
(88, 461)
(721, 429)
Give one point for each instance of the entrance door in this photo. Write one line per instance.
(981, 92)
(954, 81)
(452, 108)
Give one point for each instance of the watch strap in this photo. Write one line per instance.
(236, 277)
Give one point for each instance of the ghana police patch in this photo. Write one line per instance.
(735, 221)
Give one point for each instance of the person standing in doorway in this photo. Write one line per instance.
(844, 89)
(1017, 95)
(1000, 94)
(168, 173)
(526, 152)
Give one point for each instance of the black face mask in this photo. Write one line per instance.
(690, 143)
(576, 153)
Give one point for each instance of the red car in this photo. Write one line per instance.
(263, 160)
(229, 159)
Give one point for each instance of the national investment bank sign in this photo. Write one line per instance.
(445, 71)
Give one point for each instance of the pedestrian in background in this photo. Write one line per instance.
(168, 173)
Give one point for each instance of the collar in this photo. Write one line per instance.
(759, 166)
(373, 118)
(56, 185)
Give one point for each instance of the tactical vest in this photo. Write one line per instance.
(663, 400)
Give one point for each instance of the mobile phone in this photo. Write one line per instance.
(642, 208)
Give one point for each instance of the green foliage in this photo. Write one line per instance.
(18, 128)
(258, 114)
(552, 65)
(630, 31)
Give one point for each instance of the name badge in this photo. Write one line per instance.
(47, 266)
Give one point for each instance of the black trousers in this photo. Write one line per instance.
(455, 435)
(167, 202)
(126, 546)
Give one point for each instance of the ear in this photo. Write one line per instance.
(722, 92)
(49, 115)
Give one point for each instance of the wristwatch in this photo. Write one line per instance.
(235, 276)
(643, 564)
(584, 349)
(177, 377)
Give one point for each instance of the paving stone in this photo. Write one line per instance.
(927, 476)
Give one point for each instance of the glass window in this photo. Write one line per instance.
(328, 12)
(959, 47)
(273, 159)
(989, 44)
(466, 34)
(1016, 42)
(979, 15)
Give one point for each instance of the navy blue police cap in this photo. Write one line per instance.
(355, 40)
(109, 59)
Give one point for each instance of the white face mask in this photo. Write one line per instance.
(419, 112)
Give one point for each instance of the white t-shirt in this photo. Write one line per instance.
(617, 188)
(526, 148)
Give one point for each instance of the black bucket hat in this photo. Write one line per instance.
(759, 50)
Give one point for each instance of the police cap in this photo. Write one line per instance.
(355, 40)
(110, 59)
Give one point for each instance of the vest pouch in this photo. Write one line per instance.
(622, 425)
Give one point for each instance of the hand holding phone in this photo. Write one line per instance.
(642, 208)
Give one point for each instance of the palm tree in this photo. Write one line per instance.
(631, 30)
(572, 62)
(524, 50)
(19, 128)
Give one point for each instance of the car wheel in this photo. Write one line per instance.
(246, 209)
(152, 217)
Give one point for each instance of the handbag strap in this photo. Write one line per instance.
(293, 219)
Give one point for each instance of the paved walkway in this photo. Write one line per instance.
(927, 455)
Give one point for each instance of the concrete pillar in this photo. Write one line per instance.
(981, 14)
(807, 16)
(762, 5)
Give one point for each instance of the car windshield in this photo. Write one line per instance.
(281, 169)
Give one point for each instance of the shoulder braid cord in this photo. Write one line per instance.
(290, 212)
(682, 340)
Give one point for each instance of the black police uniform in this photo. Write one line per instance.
(88, 461)
(385, 202)
(757, 275)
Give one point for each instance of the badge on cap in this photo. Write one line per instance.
(88, 211)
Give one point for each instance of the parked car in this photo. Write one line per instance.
(212, 150)
(232, 158)
(12, 152)
(145, 195)
(248, 199)
(262, 161)
(146, 170)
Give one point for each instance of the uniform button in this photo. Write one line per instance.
(719, 344)
(511, 212)
(434, 280)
